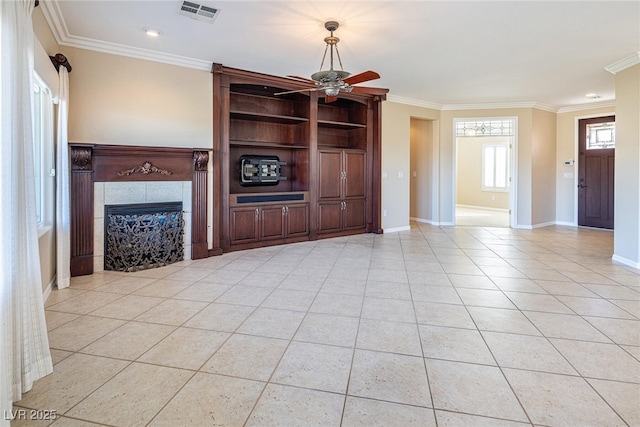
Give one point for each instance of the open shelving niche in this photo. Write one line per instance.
(265, 125)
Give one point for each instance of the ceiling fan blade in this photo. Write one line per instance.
(369, 90)
(328, 99)
(361, 77)
(304, 79)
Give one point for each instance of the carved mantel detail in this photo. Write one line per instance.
(146, 168)
(80, 158)
(200, 160)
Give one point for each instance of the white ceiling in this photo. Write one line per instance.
(440, 53)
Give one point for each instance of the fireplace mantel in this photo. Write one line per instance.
(91, 163)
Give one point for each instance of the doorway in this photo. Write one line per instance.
(423, 166)
(484, 169)
(596, 147)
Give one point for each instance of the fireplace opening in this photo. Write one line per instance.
(143, 235)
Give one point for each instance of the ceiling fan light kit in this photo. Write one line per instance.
(332, 81)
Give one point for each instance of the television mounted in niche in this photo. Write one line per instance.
(260, 170)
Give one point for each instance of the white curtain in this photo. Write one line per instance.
(24, 346)
(63, 212)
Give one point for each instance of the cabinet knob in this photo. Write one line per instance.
(257, 212)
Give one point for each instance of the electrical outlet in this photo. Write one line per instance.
(384, 213)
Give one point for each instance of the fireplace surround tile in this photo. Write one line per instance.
(118, 193)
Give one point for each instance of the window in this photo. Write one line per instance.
(601, 136)
(497, 127)
(495, 167)
(42, 146)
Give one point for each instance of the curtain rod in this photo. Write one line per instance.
(58, 60)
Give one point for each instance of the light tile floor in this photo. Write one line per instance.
(460, 326)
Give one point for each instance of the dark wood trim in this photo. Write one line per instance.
(377, 165)
(92, 163)
(81, 211)
(199, 246)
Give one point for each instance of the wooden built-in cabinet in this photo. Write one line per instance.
(342, 191)
(330, 154)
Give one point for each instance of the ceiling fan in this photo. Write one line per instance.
(331, 81)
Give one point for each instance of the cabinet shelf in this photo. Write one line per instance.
(340, 125)
(265, 117)
(260, 144)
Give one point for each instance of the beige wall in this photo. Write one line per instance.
(469, 174)
(627, 185)
(421, 170)
(543, 159)
(566, 149)
(396, 153)
(43, 32)
(121, 100)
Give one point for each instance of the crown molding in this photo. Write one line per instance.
(501, 105)
(138, 53)
(414, 102)
(458, 107)
(589, 106)
(624, 63)
(53, 16)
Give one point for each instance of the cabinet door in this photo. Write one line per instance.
(354, 214)
(297, 220)
(330, 174)
(354, 172)
(243, 224)
(329, 216)
(272, 222)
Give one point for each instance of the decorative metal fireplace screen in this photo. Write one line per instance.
(142, 236)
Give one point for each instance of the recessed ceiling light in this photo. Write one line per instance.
(592, 95)
(151, 32)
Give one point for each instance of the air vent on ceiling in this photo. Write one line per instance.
(198, 11)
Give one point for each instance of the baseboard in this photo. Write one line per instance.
(421, 220)
(484, 208)
(544, 224)
(625, 261)
(396, 229)
(565, 223)
(434, 223)
(48, 289)
(522, 227)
